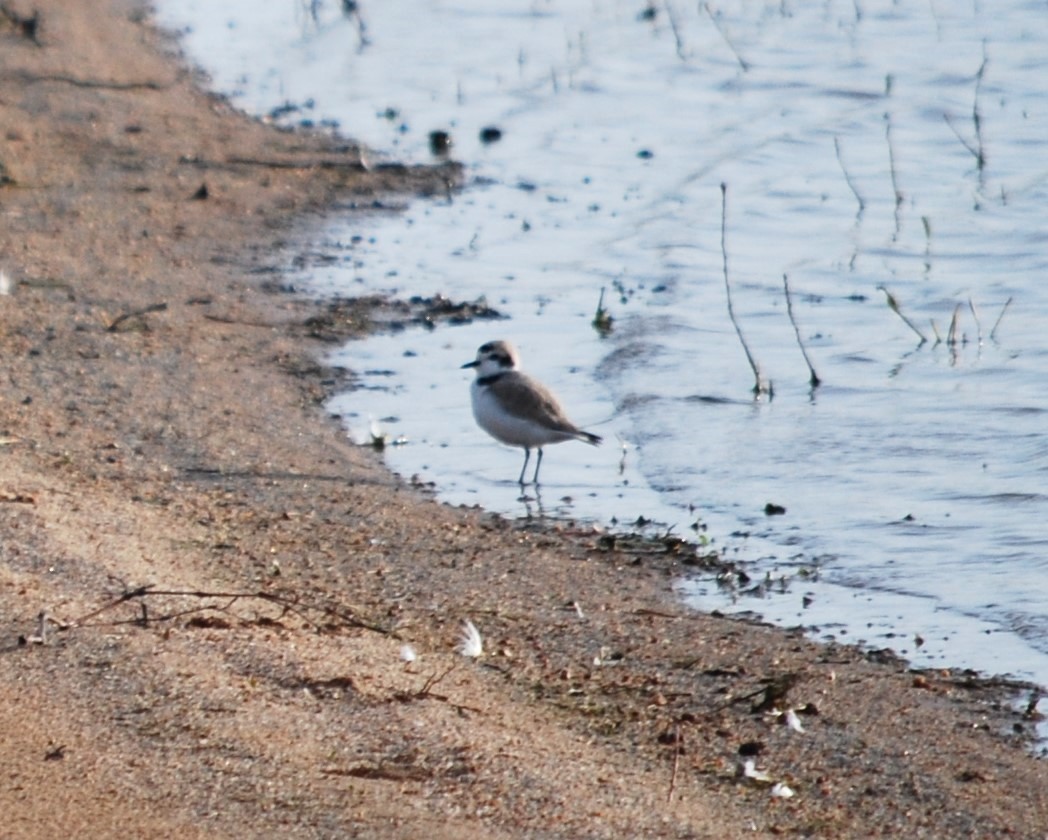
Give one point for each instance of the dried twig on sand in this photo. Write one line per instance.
(287, 602)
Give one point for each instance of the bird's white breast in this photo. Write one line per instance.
(503, 424)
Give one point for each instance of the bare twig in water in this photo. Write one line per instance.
(847, 177)
(759, 386)
(978, 325)
(602, 320)
(971, 149)
(891, 161)
(935, 330)
(743, 63)
(977, 149)
(893, 304)
(813, 379)
(997, 323)
(927, 223)
(980, 158)
(671, 15)
(351, 9)
(951, 334)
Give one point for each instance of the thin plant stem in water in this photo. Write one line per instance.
(759, 386)
(602, 319)
(997, 323)
(847, 177)
(978, 325)
(893, 304)
(743, 63)
(951, 335)
(974, 152)
(892, 168)
(671, 15)
(813, 379)
(980, 158)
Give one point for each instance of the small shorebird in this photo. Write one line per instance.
(515, 409)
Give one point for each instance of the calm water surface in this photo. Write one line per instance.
(862, 144)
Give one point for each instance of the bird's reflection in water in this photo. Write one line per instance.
(533, 508)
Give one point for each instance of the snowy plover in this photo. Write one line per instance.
(514, 408)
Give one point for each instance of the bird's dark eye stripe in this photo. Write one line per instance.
(503, 359)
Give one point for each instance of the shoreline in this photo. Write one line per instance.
(229, 581)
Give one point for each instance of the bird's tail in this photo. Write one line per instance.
(590, 438)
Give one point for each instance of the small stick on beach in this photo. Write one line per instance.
(813, 380)
(678, 748)
(114, 325)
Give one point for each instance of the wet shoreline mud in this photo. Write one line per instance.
(228, 584)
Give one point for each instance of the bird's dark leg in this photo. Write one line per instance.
(527, 457)
(538, 463)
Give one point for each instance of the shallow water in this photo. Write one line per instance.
(847, 135)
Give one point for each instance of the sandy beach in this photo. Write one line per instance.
(227, 582)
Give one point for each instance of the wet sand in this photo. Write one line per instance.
(228, 582)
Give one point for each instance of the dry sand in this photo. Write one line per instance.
(160, 433)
